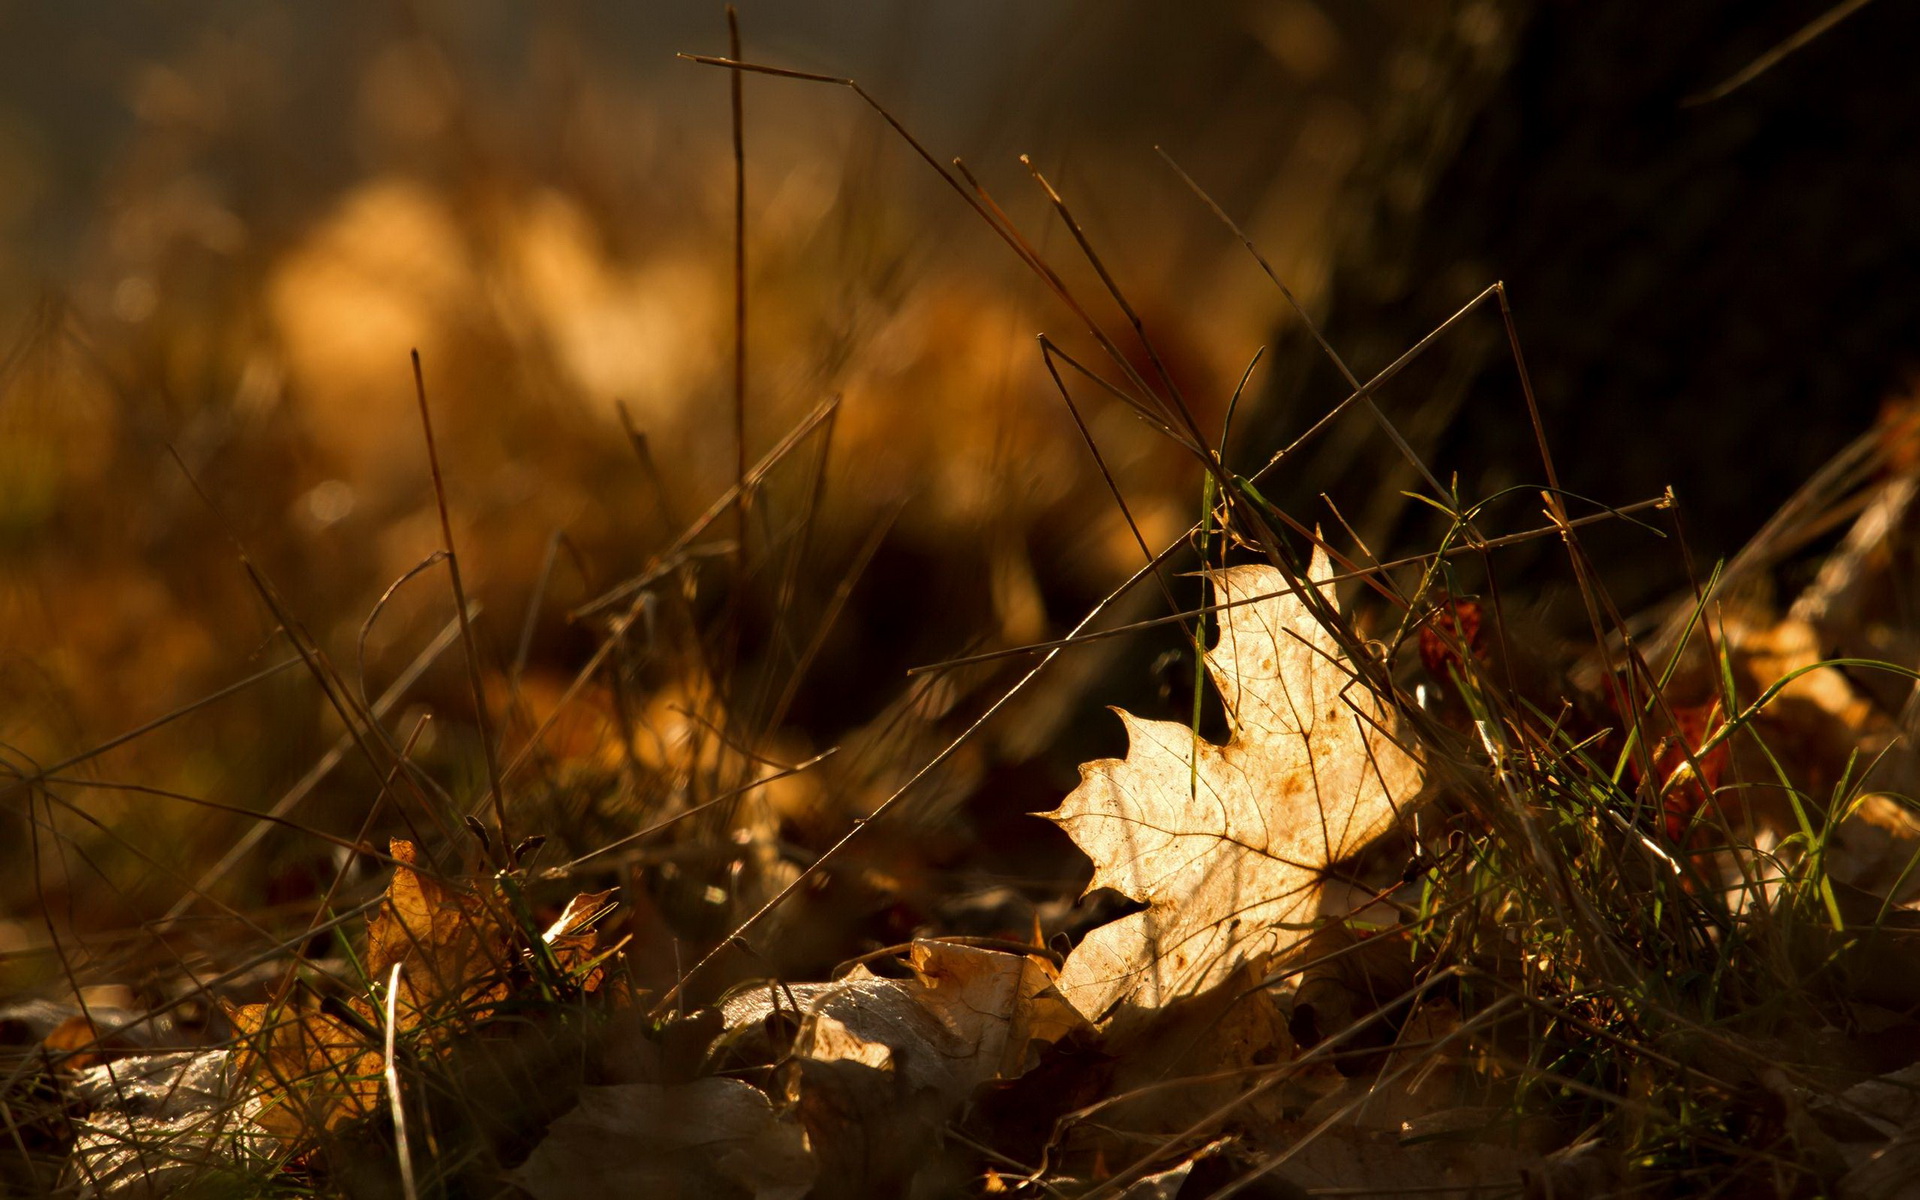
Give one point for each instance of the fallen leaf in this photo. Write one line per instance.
(1876, 847)
(75, 1044)
(711, 1137)
(571, 939)
(160, 1124)
(452, 948)
(1227, 845)
(313, 1071)
(1819, 719)
(968, 1016)
(1191, 1058)
(884, 1064)
(1005, 1005)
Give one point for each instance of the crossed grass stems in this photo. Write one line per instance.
(1578, 947)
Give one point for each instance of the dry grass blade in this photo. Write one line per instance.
(495, 782)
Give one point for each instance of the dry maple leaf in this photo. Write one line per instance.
(1227, 844)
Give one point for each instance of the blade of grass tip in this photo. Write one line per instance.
(1300, 310)
(1172, 389)
(1003, 229)
(366, 733)
(1772, 58)
(1233, 403)
(761, 718)
(484, 722)
(1146, 413)
(1208, 494)
(397, 1107)
(1047, 349)
(681, 543)
(1360, 544)
(1144, 400)
(380, 606)
(642, 450)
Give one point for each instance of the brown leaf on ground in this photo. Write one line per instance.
(1004, 1004)
(312, 1071)
(1876, 848)
(453, 949)
(969, 1015)
(1192, 1058)
(573, 943)
(713, 1137)
(1227, 845)
(76, 1044)
(315, 1071)
(883, 1064)
(1819, 718)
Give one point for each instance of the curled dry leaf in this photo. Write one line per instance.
(571, 941)
(968, 1016)
(162, 1125)
(1227, 845)
(884, 1064)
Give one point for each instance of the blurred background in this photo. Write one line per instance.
(223, 227)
